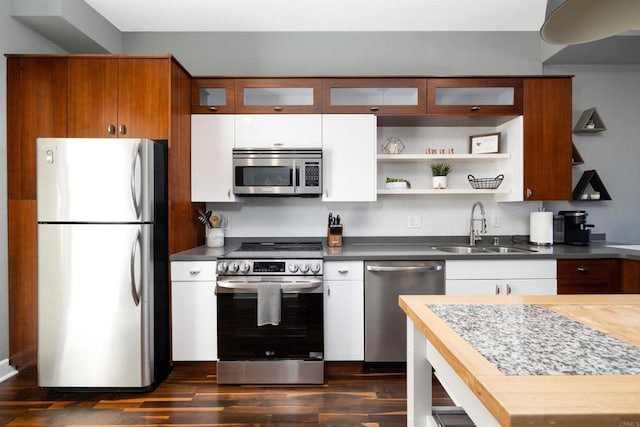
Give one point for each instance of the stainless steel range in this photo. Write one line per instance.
(270, 314)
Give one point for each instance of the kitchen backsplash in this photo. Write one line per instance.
(389, 216)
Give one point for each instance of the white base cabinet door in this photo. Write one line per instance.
(501, 277)
(211, 163)
(344, 311)
(194, 330)
(501, 287)
(349, 157)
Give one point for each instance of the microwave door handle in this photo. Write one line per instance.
(296, 177)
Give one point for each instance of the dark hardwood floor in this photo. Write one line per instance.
(190, 396)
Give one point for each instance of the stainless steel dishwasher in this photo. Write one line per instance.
(384, 321)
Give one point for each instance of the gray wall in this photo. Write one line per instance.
(614, 90)
(14, 38)
(346, 53)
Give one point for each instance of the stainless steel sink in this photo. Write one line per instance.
(508, 250)
(460, 249)
(483, 249)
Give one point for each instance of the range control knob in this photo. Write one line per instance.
(233, 267)
(304, 267)
(245, 267)
(222, 267)
(293, 268)
(315, 268)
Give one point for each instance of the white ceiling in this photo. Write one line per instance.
(322, 15)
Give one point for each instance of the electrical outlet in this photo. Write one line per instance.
(495, 220)
(414, 221)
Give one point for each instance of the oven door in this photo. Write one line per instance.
(264, 176)
(299, 335)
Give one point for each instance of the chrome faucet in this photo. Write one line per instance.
(474, 233)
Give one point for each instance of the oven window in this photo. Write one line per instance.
(298, 336)
(264, 176)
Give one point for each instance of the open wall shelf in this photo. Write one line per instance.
(590, 178)
(589, 122)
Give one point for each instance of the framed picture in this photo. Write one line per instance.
(485, 143)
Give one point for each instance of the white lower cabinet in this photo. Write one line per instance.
(344, 310)
(193, 311)
(501, 277)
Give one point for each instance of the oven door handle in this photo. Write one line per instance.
(292, 286)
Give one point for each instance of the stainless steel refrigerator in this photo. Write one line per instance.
(103, 314)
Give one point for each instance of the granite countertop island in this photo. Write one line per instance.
(561, 360)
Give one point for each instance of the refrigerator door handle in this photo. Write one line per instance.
(134, 187)
(132, 269)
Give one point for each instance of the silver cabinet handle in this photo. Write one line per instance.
(508, 289)
(475, 108)
(497, 289)
(374, 108)
(529, 193)
(111, 129)
(122, 129)
(380, 268)
(194, 272)
(343, 271)
(132, 269)
(582, 269)
(212, 108)
(277, 108)
(328, 291)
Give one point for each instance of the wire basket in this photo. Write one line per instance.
(485, 183)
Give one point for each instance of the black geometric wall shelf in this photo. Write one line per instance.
(589, 122)
(576, 158)
(590, 178)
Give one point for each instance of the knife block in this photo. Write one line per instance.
(334, 235)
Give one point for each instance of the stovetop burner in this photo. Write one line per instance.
(277, 250)
(279, 246)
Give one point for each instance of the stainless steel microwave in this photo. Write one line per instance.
(277, 171)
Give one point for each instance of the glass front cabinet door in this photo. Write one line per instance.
(374, 96)
(212, 96)
(272, 96)
(471, 96)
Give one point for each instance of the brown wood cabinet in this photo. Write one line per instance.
(115, 97)
(278, 95)
(381, 96)
(547, 138)
(78, 96)
(589, 276)
(474, 96)
(631, 276)
(212, 96)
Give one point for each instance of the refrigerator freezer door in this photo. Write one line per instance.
(94, 180)
(94, 305)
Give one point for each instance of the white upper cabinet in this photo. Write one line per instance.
(278, 131)
(349, 157)
(211, 164)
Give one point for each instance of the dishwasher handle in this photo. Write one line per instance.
(394, 269)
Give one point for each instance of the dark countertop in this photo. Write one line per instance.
(421, 248)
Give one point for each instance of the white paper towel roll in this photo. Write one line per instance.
(541, 228)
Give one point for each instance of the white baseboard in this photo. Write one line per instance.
(6, 370)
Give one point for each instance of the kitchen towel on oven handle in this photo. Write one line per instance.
(269, 298)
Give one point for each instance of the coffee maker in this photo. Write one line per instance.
(571, 228)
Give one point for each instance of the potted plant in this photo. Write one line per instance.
(397, 183)
(440, 172)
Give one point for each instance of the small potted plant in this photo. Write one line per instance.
(397, 183)
(440, 172)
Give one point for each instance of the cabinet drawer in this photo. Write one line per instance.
(344, 270)
(584, 269)
(502, 269)
(193, 271)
